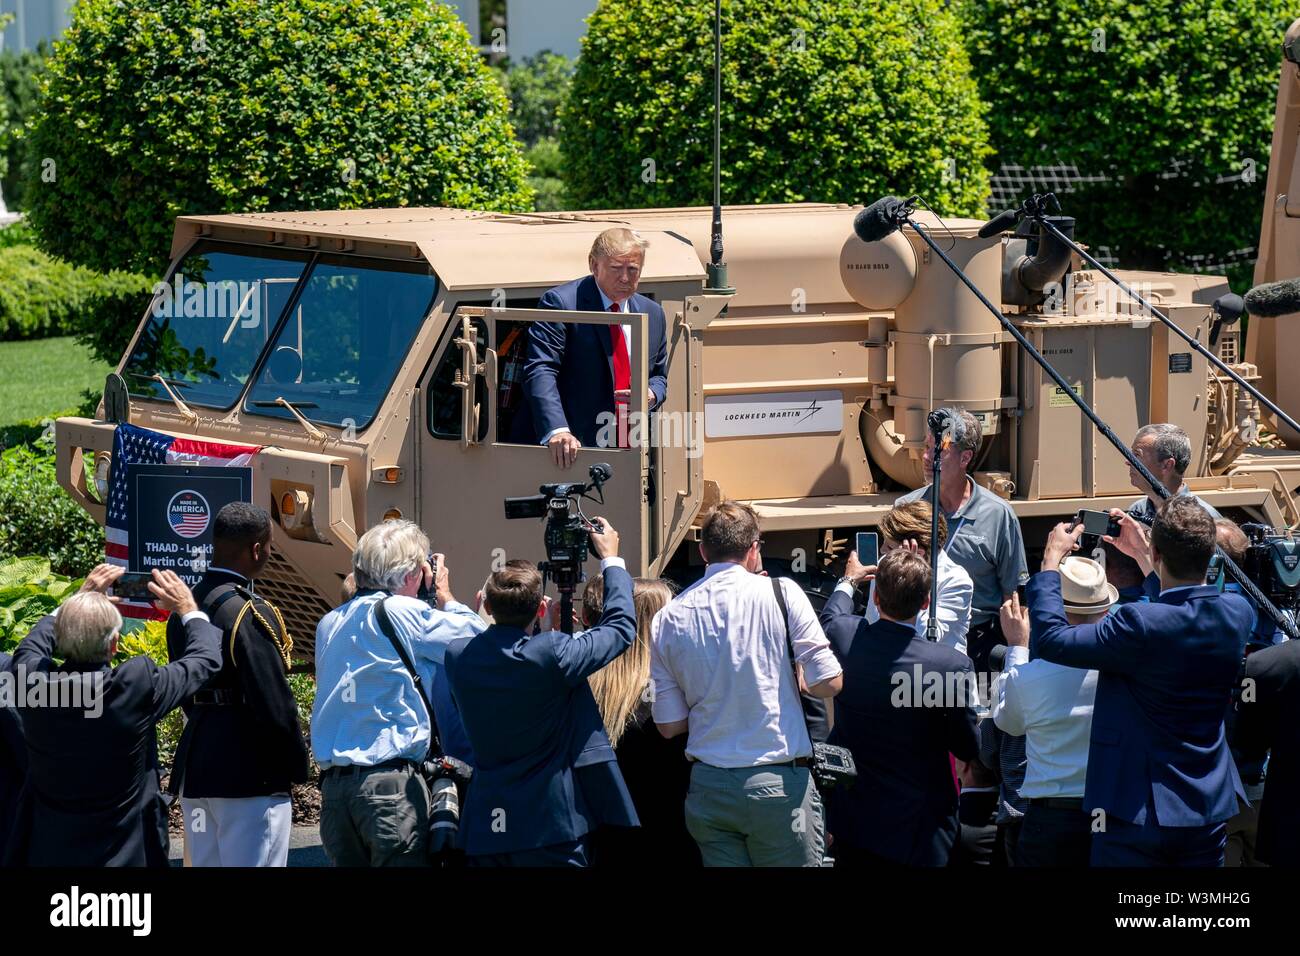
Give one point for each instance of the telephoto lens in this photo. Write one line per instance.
(444, 820)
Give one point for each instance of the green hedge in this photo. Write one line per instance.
(837, 100)
(157, 108)
(38, 518)
(42, 296)
(1167, 99)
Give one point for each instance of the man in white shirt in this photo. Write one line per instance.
(908, 526)
(1051, 705)
(721, 673)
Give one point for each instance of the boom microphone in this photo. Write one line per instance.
(1000, 223)
(1274, 298)
(881, 218)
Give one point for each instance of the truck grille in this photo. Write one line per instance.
(299, 604)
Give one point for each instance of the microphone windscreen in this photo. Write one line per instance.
(999, 223)
(1274, 298)
(878, 220)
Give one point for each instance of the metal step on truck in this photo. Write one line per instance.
(374, 357)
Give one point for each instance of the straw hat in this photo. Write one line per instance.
(1084, 588)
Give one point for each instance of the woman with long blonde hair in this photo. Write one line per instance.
(655, 770)
(621, 686)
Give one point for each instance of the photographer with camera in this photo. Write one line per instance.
(546, 775)
(373, 725)
(1158, 761)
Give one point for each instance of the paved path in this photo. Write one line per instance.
(304, 848)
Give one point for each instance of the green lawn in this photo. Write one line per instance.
(45, 377)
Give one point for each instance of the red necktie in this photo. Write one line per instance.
(622, 376)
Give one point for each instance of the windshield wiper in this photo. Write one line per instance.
(186, 412)
(293, 407)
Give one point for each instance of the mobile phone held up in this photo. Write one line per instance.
(868, 547)
(1097, 523)
(134, 586)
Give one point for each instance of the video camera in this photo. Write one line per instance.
(567, 528)
(1272, 562)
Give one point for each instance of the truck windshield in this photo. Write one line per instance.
(337, 351)
(209, 323)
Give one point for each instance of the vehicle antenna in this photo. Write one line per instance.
(717, 270)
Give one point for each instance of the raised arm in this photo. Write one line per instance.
(583, 654)
(201, 657)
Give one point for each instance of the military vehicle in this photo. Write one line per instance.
(375, 355)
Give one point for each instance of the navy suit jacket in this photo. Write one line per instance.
(13, 763)
(903, 805)
(1270, 718)
(545, 772)
(92, 796)
(569, 367)
(1158, 755)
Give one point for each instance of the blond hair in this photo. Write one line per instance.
(85, 628)
(618, 241)
(620, 686)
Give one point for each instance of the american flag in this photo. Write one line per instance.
(133, 445)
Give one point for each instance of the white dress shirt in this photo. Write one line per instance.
(719, 659)
(953, 617)
(623, 307)
(1051, 705)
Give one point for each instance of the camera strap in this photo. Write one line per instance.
(386, 625)
(789, 647)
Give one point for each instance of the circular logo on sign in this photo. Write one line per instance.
(188, 514)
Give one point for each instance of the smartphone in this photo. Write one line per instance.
(134, 586)
(868, 548)
(1097, 522)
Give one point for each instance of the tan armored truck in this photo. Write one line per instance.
(376, 357)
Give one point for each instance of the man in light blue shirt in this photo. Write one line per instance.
(370, 729)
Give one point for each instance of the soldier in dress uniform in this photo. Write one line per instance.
(242, 746)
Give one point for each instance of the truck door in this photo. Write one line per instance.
(469, 465)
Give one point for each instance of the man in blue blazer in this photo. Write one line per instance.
(545, 774)
(92, 796)
(1161, 782)
(903, 807)
(575, 378)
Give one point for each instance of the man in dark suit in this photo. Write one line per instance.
(242, 747)
(93, 795)
(577, 378)
(13, 757)
(1268, 716)
(1159, 768)
(906, 705)
(546, 775)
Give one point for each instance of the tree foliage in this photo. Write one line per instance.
(1167, 105)
(157, 108)
(829, 100)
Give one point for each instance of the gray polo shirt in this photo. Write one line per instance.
(1145, 510)
(984, 538)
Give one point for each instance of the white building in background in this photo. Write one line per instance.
(533, 26)
(34, 21)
